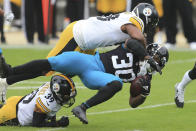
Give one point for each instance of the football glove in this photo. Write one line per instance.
(63, 122)
(145, 82)
(9, 17)
(154, 65)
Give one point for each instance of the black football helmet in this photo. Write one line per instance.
(148, 14)
(63, 90)
(159, 53)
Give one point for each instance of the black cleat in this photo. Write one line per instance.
(4, 67)
(80, 112)
(178, 103)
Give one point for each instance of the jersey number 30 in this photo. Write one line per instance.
(121, 68)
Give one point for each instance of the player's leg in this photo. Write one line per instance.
(107, 84)
(180, 87)
(26, 71)
(66, 43)
(8, 111)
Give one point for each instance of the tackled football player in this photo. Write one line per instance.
(39, 108)
(104, 72)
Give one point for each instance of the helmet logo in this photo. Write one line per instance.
(56, 87)
(147, 11)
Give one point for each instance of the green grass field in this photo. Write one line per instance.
(158, 113)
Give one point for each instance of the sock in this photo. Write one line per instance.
(4, 81)
(185, 80)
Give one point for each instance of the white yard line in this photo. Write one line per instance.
(132, 109)
(123, 110)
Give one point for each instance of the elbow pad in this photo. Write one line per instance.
(136, 48)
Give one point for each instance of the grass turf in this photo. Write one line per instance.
(158, 113)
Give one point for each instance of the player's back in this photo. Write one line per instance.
(103, 31)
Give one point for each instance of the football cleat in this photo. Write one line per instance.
(179, 96)
(4, 67)
(80, 112)
(3, 90)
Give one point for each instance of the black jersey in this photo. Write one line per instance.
(121, 63)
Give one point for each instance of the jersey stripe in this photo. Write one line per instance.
(70, 82)
(41, 106)
(137, 22)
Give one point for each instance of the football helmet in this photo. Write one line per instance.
(159, 53)
(148, 14)
(63, 90)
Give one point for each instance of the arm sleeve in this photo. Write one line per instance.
(136, 48)
(39, 120)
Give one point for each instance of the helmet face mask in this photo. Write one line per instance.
(159, 53)
(148, 14)
(63, 90)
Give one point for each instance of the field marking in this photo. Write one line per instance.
(182, 61)
(35, 87)
(138, 108)
(122, 110)
(53, 129)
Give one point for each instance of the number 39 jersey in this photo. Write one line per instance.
(103, 31)
(43, 99)
(121, 63)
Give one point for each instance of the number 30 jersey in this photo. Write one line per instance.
(121, 63)
(43, 99)
(103, 31)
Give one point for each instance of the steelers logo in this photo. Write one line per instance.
(147, 11)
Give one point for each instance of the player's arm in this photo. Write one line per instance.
(134, 46)
(40, 115)
(134, 33)
(145, 91)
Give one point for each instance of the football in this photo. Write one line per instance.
(136, 86)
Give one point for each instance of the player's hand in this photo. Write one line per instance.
(63, 122)
(146, 84)
(154, 65)
(9, 16)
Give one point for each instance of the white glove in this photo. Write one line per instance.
(9, 16)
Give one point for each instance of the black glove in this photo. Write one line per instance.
(63, 122)
(155, 66)
(145, 82)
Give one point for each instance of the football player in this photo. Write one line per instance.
(104, 72)
(180, 87)
(39, 108)
(86, 35)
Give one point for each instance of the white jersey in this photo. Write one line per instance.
(43, 99)
(104, 31)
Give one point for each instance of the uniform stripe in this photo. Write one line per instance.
(137, 22)
(70, 82)
(41, 106)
